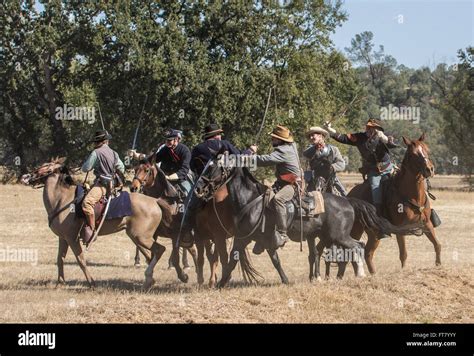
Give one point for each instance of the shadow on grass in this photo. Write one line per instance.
(120, 285)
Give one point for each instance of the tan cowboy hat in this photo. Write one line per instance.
(282, 133)
(374, 123)
(317, 129)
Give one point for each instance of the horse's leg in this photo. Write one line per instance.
(341, 269)
(192, 251)
(229, 267)
(358, 261)
(184, 258)
(170, 262)
(276, 263)
(221, 249)
(312, 258)
(319, 254)
(79, 253)
(200, 261)
(372, 244)
(157, 251)
(213, 258)
(402, 248)
(62, 251)
(137, 258)
(183, 277)
(431, 234)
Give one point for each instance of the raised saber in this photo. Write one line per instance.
(264, 115)
(139, 122)
(100, 115)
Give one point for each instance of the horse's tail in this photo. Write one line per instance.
(250, 274)
(366, 214)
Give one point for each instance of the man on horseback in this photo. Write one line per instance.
(175, 158)
(105, 162)
(373, 146)
(324, 160)
(285, 158)
(207, 150)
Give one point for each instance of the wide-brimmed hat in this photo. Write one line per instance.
(169, 134)
(282, 133)
(101, 135)
(374, 123)
(317, 129)
(211, 131)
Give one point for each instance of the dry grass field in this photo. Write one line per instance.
(421, 293)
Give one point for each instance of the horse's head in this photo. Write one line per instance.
(417, 157)
(39, 175)
(213, 177)
(144, 177)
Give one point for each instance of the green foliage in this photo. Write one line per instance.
(196, 62)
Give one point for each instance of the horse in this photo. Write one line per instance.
(59, 194)
(250, 200)
(213, 222)
(406, 201)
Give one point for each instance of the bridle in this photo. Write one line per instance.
(214, 184)
(144, 180)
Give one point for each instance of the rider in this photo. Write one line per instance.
(373, 146)
(207, 150)
(324, 159)
(174, 157)
(105, 163)
(285, 158)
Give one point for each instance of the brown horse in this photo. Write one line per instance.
(214, 222)
(406, 201)
(58, 195)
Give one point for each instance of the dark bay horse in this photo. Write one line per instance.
(406, 201)
(213, 222)
(250, 200)
(58, 195)
(151, 180)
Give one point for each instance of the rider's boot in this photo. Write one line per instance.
(280, 237)
(88, 229)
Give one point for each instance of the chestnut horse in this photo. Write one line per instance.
(214, 222)
(406, 201)
(59, 194)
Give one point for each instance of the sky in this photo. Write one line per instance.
(417, 33)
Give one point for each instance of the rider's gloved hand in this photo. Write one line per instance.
(253, 148)
(382, 136)
(86, 186)
(327, 126)
(172, 177)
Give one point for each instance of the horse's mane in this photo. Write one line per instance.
(65, 177)
(160, 180)
(251, 179)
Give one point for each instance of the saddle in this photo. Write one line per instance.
(120, 205)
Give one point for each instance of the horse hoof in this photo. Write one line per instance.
(184, 278)
(319, 279)
(148, 284)
(137, 264)
(438, 263)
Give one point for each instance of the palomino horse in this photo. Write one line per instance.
(250, 201)
(406, 200)
(213, 222)
(58, 195)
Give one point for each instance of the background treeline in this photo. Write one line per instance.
(196, 62)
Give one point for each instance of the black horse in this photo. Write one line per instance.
(255, 222)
